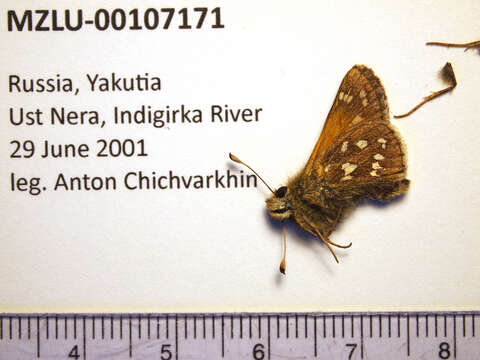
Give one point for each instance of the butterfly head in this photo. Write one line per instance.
(279, 205)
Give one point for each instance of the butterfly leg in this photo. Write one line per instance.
(328, 245)
(326, 239)
(336, 221)
(337, 245)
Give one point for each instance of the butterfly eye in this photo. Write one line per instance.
(280, 192)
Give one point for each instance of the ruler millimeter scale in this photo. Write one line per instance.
(258, 336)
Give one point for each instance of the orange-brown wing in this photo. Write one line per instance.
(366, 162)
(360, 98)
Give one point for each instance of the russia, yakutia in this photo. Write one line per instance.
(97, 83)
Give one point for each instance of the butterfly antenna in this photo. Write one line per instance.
(467, 46)
(237, 160)
(283, 265)
(449, 76)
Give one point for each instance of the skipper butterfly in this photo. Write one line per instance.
(358, 156)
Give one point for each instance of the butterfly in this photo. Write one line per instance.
(358, 156)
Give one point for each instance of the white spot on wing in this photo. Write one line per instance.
(344, 146)
(348, 177)
(362, 93)
(365, 102)
(327, 168)
(374, 173)
(340, 95)
(348, 168)
(378, 157)
(376, 165)
(383, 142)
(357, 119)
(362, 144)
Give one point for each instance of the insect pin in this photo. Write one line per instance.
(358, 156)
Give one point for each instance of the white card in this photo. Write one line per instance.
(117, 193)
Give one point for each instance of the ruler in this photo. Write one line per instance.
(258, 336)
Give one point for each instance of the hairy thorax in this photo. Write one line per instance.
(289, 202)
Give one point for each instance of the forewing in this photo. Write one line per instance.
(368, 161)
(360, 99)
